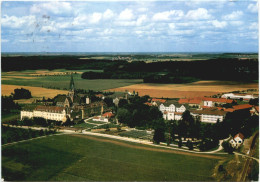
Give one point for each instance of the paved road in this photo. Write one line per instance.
(140, 141)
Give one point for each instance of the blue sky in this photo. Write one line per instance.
(129, 26)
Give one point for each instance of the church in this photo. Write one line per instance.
(73, 106)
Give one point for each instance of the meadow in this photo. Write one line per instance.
(60, 79)
(84, 158)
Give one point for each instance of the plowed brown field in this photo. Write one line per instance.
(196, 89)
(36, 91)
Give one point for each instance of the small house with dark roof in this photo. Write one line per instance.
(237, 141)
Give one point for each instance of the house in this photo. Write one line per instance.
(91, 109)
(209, 115)
(100, 118)
(47, 112)
(212, 102)
(242, 107)
(108, 115)
(157, 102)
(117, 96)
(192, 102)
(238, 96)
(237, 141)
(255, 110)
(172, 110)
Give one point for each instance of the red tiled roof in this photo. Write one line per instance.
(99, 95)
(239, 135)
(222, 100)
(229, 110)
(210, 112)
(108, 114)
(159, 100)
(148, 103)
(190, 101)
(49, 108)
(178, 113)
(242, 106)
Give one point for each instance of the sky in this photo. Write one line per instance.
(129, 26)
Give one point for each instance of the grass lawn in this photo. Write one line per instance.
(84, 125)
(9, 117)
(74, 158)
(134, 134)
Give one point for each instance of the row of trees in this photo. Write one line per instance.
(38, 121)
(10, 134)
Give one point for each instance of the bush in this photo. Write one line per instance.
(207, 144)
(189, 145)
(21, 94)
(227, 147)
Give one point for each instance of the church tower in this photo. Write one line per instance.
(72, 88)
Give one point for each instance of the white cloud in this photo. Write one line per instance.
(171, 25)
(141, 19)
(54, 7)
(219, 24)
(233, 16)
(142, 9)
(253, 26)
(17, 22)
(200, 13)
(236, 23)
(95, 17)
(253, 8)
(108, 14)
(127, 14)
(48, 29)
(4, 40)
(106, 32)
(181, 32)
(167, 15)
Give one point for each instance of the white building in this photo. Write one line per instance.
(172, 110)
(238, 96)
(237, 141)
(47, 112)
(209, 116)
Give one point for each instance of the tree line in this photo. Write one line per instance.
(10, 134)
(180, 71)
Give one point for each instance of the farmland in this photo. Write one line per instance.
(83, 158)
(196, 89)
(59, 79)
(37, 92)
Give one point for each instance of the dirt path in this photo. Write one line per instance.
(146, 148)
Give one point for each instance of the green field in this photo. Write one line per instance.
(74, 158)
(62, 81)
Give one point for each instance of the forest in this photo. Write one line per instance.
(232, 69)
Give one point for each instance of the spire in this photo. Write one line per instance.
(72, 85)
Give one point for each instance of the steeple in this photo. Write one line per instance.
(71, 89)
(72, 85)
